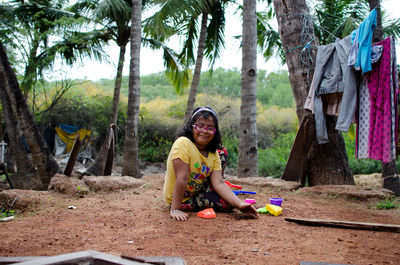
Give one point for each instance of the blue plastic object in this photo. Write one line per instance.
(237, 192)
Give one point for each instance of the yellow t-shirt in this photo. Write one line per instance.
(200, 168)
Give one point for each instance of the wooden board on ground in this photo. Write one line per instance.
(347, 224)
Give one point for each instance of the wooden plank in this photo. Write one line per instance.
(296, 166)
(73, 156)
(92, 257)
(110, 150)
(317, 263)
(346, 224)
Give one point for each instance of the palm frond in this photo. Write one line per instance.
(215, 33)
(177, 72)
(391, 27)
(187, 54)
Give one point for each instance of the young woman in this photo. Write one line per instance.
(194, 177)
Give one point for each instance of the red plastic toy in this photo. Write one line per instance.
(233, 185)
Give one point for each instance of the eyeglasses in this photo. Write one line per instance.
(200, 128)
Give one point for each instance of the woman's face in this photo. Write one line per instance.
(203, 131)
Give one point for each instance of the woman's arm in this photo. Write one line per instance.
(182, 175)
(226, 193)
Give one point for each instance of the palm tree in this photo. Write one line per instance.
(115, 17)
(322, 164)
(247, 163)
(181, 18)
(42, 159)
(130, 165)
(331, 18)
(29, 27)
(115, 20)
(31, 23)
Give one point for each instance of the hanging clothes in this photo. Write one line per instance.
(350, 95)
(332, 77)
(377, 114)
(362, 39)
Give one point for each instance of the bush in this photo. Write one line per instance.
(359, 166)
(231, 144)
(272, 161)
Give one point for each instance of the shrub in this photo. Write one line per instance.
(359, 166)
(272, 161)
(231, 144)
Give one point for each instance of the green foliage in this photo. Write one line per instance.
(225, 82)
(359, 166)
(388, 203)
(272, 160)
(88, 104)
(231, 144)
(274, 89)
(5, 212)
(273, 122)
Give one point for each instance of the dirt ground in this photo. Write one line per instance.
(136, 222)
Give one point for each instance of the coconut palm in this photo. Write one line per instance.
(114, 18)
(248, 145)
(332, 19)
(130, 165)
(26, 28)
(182, 18)
(29, 28)
(42, 159)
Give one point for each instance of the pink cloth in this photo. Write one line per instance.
(380, 123)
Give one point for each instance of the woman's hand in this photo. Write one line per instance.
(248, 208)
(178, 215)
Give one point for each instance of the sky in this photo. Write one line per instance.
(151, 60)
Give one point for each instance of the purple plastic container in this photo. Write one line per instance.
(276, 201)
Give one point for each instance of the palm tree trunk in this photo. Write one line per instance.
(378, 32)
(248, 156)
(20, 155)
(197, 70)
(46, 166)
(97, 168)
(327, 163)
(130, 165)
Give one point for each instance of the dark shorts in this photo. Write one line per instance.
(207, 198)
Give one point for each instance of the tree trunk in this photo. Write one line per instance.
(42, 159)
(97, 168)
(327, 163)
(378, 32)
(292, 16)
(197, 70)
(248, 156)
(16, 145)
(130, 165)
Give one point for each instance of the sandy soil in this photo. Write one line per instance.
(136, 222)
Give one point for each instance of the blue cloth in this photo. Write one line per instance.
(69, 128)
(363, 38)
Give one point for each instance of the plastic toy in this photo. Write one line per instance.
(276, 201)
(262, 210)
(207, 213)
(273, 209)
(250, 201)
(233, 185)
(237, 192)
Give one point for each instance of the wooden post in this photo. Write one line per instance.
(73, 156)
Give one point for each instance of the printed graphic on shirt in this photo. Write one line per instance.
(197, 177)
